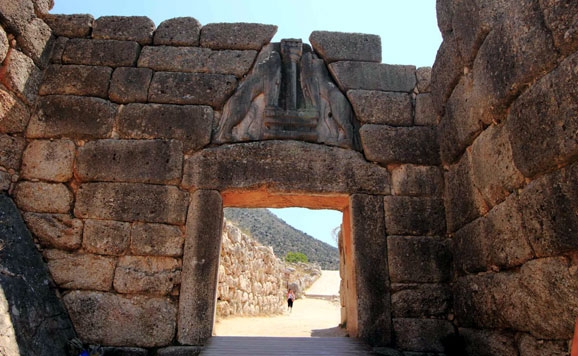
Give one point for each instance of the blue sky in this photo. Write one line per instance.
(408, 31)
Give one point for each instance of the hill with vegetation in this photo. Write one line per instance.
(272, 231)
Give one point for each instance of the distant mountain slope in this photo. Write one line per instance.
(270, 230)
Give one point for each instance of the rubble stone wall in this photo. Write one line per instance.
(504, 85)
(252, 280)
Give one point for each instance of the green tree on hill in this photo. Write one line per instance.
(294, 257)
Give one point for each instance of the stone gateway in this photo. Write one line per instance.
(121, 142)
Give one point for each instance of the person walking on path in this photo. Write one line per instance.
(290, 299)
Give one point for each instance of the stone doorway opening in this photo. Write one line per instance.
(262, 255)
(262, 199)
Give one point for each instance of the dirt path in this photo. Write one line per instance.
(310, 316)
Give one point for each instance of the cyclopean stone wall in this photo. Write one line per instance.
(504, 84)
(121, 142)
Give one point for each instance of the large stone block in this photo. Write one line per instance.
(76, 80)
(80, 271)
(136, 161)
(108, 53)
(16, 15)
(156, 239)
(420, 300)
(493, 343)
(446, 73)
(36, 41)
(58, 50)
(33, 320)
(109, 319)
(42, 197)
(372, 281)
(181, 351)
(236, 35)
(178, 31)
(548, 206)
(69, 25)
(341, 46)
(59, 231)
(387, 145)
(4, 45)
(129, 85)
(11, 150)
(124, 28)
(21, 75)
(14, 114)
(197, 60)
(541, 124)
(516, 300)
(284, 166)
(464, 202)
(421, 335)
(412, 180)
(199, 279)
(493, 169)
(378, 107)
(48, 160)
(515, 53)
(498, 240)
(529, 346)
(414, 216)
(191, 88)
(147, 275)
(373, 76)
(562, 18)
(423, 77)
(461, 122)
(425, 114)
(132, 202)
(419, 259)
(106, 237)
(187, 123)
(73, 117)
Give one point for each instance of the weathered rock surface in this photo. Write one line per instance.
(378, 107)
(280, 166)
(341, 46)
(191, 88)
(14, 114)
(48, 160)
(56, 230)
(114, 320)
(420, 300)
(69, 25)
(132, 202)
(76, 80)
(124, 28)
(43, 197)
(33, 320)
(145, 121)
(146, 161)
(147, 275)
(73, 117)
(108, 53)
(80, 271)
(413, 180)
(414, 216)
(418, 259)
(179, 31)
(373, 76)
(236, 35)
(386, 144)
(423, 335)
(156, 239)
(106, 237)
(129, 85)
(12, 148)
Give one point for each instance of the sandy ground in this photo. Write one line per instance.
(310, 316)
